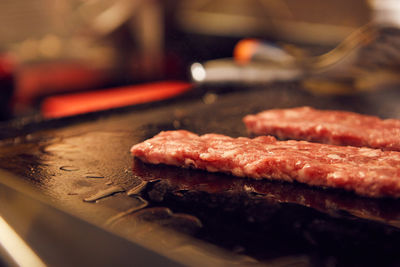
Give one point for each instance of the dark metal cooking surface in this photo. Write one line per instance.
(86, 167)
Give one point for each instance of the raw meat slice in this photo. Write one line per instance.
(366, 171)
(327, 126)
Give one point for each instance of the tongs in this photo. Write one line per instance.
(368, 58)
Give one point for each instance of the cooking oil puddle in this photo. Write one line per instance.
(104, 193)
(69, 168)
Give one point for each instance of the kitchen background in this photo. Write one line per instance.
(53, 47)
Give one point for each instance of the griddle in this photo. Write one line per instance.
(82, 166)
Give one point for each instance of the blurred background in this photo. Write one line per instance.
(57, 47)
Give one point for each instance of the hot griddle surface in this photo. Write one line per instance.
(255, 221)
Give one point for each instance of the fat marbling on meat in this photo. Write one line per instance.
(327, 126)
(366, 171)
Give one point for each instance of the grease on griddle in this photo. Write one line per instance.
(267, 220)
(93, 175)
(165, 217)
(137, 188)
(143, 203)
(104, 193)
(179, 182)
(154, 214)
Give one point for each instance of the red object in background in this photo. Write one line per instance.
(48, 78)
(79, 103)
(7, 69)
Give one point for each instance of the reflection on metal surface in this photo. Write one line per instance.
(198, 72)
(112, 220)
(260, 218)
(178, 180)
(227, 70)
(137, 189)
(16, 247)
(38, 221)
(163, 216)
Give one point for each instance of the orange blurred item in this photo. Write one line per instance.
(245, 49)
(36, 80)
(79, 103)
